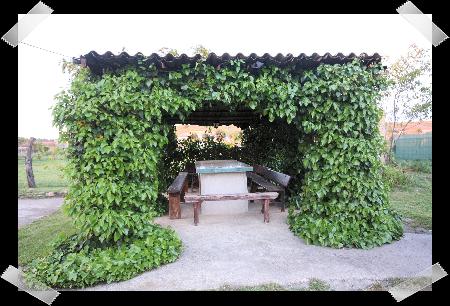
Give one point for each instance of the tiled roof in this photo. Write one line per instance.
(99, 62)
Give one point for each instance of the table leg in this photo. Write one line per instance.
(196, 209)
(266, 210)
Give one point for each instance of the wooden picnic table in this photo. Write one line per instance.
(223, 177)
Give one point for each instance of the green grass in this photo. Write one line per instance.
(48, 176)
(413, 200)
(35, 238)
(386, 284)
(318, 285)
(313, 285)
(424, 166)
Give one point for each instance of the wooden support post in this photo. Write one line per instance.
(29, 164)
(174, 206)
(266, 210)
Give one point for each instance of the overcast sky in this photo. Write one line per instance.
(41, 77)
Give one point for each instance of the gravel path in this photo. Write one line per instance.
(242, 250)
(30, 210)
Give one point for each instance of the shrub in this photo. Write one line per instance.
(416, 165)
(395, 176)
(79, 264)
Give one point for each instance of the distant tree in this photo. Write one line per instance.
(40, 148)
(220, 135)
(164, 51)
(409, 97)
(21, 141)
(193, 136)
(200, 49)
(70, 67)
(237, 137)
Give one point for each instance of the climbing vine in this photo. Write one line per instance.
(343, 200)
(116, 127)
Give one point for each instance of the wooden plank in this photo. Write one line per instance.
(277, 177)
(263, 182)
(188, 198)
(174, 206)
(178, 183)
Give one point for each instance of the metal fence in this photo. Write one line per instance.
(413, 147)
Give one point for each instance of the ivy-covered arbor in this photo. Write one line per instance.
(118, 119)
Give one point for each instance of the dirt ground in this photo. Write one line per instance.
(242, 250)
(30, 210)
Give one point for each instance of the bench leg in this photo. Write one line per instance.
(266, 210)
(196, 212)
(174, 206)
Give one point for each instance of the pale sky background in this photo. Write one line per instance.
(41, 77)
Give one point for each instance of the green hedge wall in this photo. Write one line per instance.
(116, 128)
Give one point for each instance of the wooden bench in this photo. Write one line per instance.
(192, 175)
(197, 200)
(269, 180)
(176, 192)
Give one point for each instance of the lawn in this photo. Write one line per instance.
(35, 238)
(48, 176)
(413, 199)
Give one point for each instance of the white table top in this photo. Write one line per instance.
(221, 166)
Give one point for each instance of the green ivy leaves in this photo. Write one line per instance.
(115, 126)
(343, 200)
(70, 266)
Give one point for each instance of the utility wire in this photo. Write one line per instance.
(53, 52)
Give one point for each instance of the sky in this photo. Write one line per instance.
(40, 75)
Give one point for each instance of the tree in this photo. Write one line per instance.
(29, 164)
(220, 135)
(197, 49)
(200, 49)
(409, 97)
(39, 147)
(22, 141)
(165, 50)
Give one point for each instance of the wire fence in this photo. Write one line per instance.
(413, 147)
